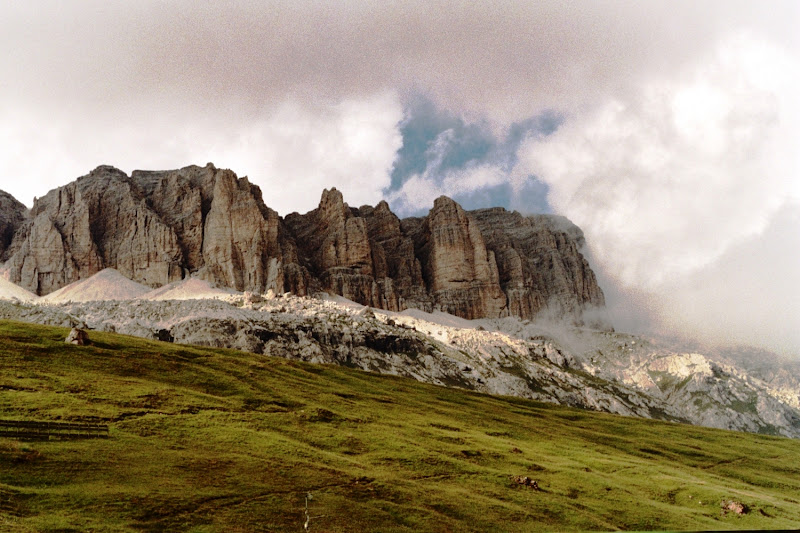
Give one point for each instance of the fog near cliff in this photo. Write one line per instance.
(689, 194)
(666, 130)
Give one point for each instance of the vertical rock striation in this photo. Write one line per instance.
(539, 262)
(460, 273)
(12, 216)
(96, 221)
(158, 227)
(398, 271)
(333, 244)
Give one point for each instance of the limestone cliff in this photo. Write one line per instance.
(539, 262)
(96, 221)
(158, 227)
(460, 273)
(398, 271)
(335, 248)
(12, 215)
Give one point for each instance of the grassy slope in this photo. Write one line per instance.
(214, 440)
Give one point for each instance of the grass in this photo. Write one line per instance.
(217, 440)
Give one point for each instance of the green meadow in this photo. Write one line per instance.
(209, 440)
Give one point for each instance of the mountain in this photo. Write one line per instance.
(156, 228)
(468, 298)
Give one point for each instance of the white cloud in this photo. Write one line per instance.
(292, 151)
(19, 171)
(420, 190)
(296, 151)
(417, 193)
(508, 60)
(749, 295)
(667, 181)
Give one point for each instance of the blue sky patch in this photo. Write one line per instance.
(438, 145)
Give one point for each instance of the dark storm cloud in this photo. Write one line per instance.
(510, 59)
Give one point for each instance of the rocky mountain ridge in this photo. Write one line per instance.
(465, 295)
(157, 227)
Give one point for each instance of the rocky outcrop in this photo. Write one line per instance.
(461, 275)
(154, 228)
(335, 248)
(398, 271)
(12, 215)
(159, 227)
(225, 231)
(539, 262)
(96, 221)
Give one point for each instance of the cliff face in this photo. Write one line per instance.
(75, 231)
(158, 227)
(398, 271)
(539, 262)
(460, 273)
(12, 215)
(334, 247)
(155, 228)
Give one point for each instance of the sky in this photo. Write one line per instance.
(667, 130)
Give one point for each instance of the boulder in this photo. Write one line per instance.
(78, 337)
(525, 481)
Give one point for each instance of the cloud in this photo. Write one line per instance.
(749, 295)
(443, 154)
(292, 151)
(420, 190)
(667, 130)
(670, 180)
(158, 76)
(297, 151)
(506, 60)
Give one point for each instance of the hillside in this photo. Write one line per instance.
(219, 440)
(545, 361)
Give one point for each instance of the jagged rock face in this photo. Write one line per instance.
(336, 249)
(460, 273)
(177, 197)
(539, 262)
(486, 263)
(12, 216)
(226, 232)
(154, 228)
(77, 230)
(236, 247)
(398, 271)
(158, 227)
